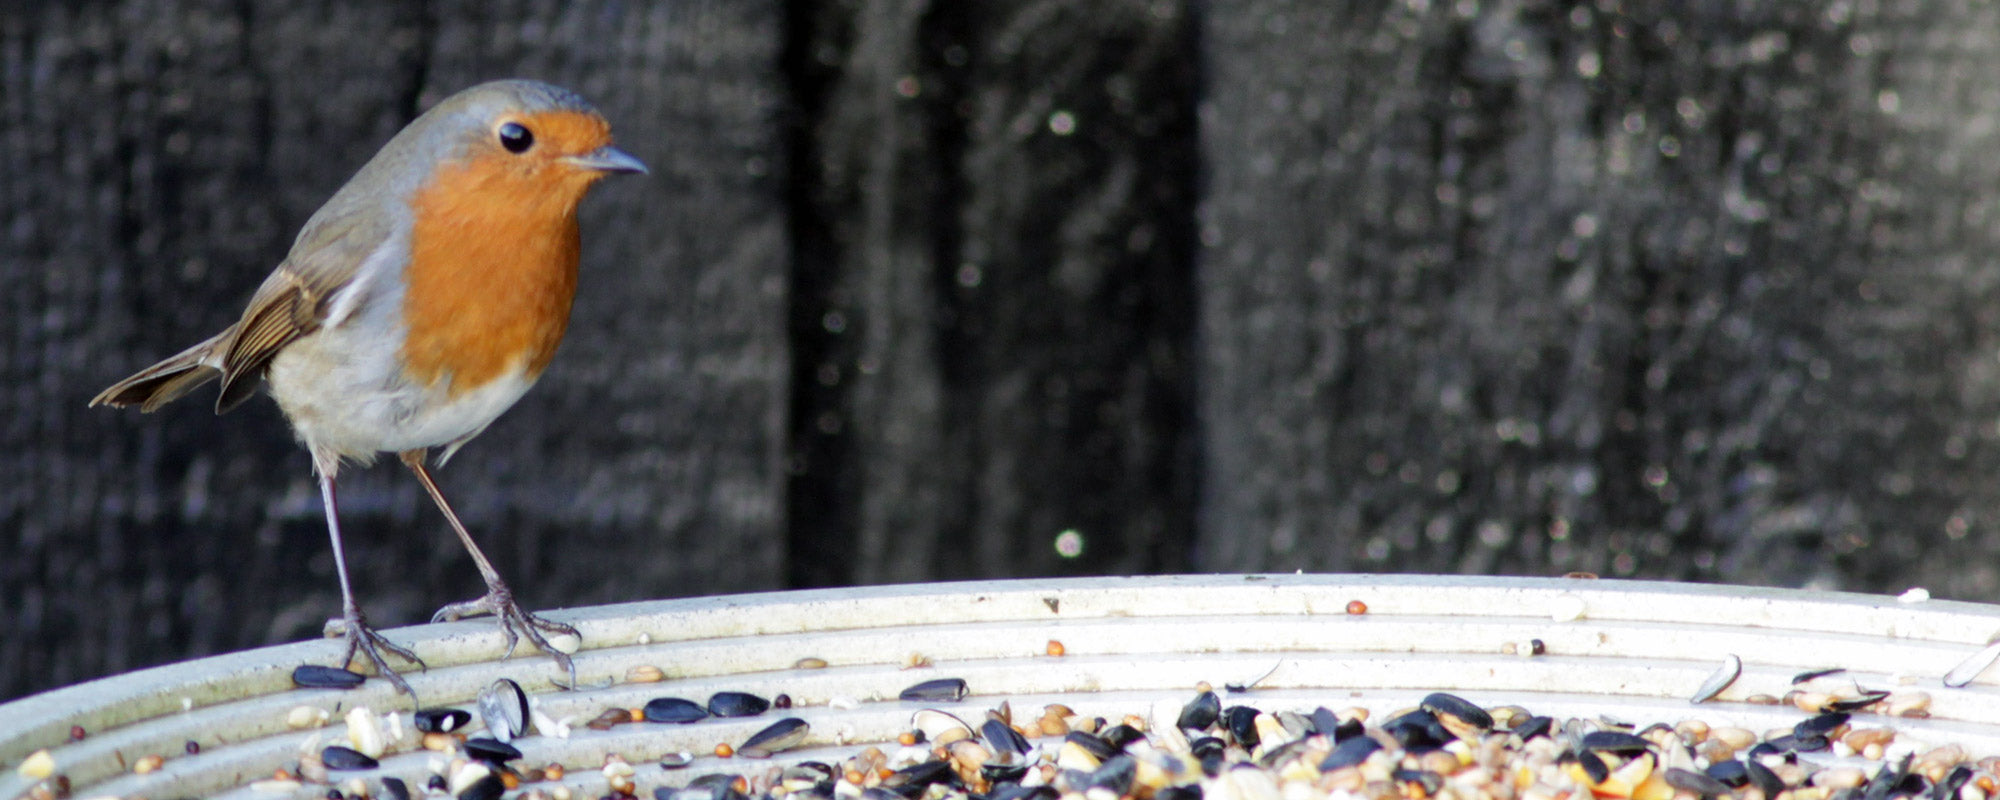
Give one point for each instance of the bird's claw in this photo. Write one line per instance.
(363, 639)
(516, 623)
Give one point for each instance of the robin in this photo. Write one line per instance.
(416, 306)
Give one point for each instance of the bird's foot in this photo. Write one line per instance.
(363, 639)
(516, 623)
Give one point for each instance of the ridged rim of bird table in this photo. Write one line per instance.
(1637, 649)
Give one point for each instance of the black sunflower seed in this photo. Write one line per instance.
(337, 757)
(1121, 735)
(938, 689)
(487, 788)
(674, 710)
(1349, 752)
(491, 750)
(1200, 712)
(1241, 722)
(441, 720)
(1691, 781)
(1445, 704)
(1619, 742)
(781, 735)
(737, 704)
(314, 676)
(1867, 698)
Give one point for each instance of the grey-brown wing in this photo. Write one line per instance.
(294, 301)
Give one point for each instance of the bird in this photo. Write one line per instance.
(415, 307)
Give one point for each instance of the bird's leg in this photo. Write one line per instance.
(515, 621)
(360, 637)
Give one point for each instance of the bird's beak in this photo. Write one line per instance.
(607, 159)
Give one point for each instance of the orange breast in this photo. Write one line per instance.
(492, 273)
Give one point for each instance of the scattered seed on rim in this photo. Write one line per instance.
(1054, 647)
(1816, 673)
(737, 704)
(1720, 679)
(1356, 608)
(316, 676)
(491, 750)
(336, 757)
(441, 720)
(504, 708)
(781, 735)
(936, 689)
(1974, 664)
(674, 710)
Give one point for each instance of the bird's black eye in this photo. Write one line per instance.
(515, 137)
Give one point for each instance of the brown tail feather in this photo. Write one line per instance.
(166, 381)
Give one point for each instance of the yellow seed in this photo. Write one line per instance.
(1692, 731)
(1908, 704)
(1439, 761)
(1655, 787)
(645, 673)
(1736, 738)
(301, 717)
(1839, 777)
(1345, 779)
(148, 764)
(37, 766)
(809, 663)
(1809, 702)
(1859, 739)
